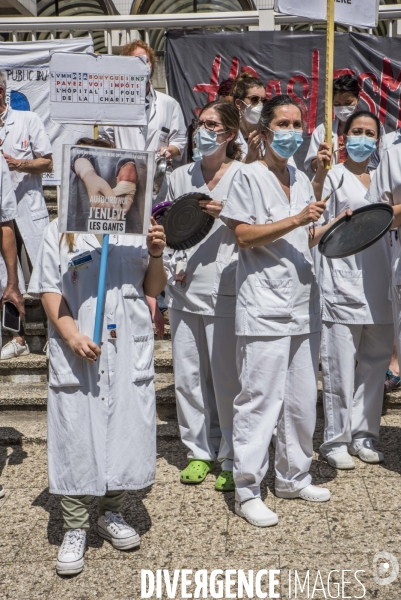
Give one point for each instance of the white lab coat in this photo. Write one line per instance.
(163, 111)
(278, 325)
(357, 327)
(101, 416)
(24, 137)
(202, 319)
(8, 212)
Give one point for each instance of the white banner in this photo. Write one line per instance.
(26, 65)
(359, 13)
(101, 89)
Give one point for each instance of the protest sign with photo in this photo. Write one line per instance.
(105, 190)
(26, 65)
(359, 13)
(287, 63)
(108, 90)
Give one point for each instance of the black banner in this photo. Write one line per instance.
(286, 62)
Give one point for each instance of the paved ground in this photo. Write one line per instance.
(185, 527)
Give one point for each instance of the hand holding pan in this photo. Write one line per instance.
(356, 232)
(185, 223)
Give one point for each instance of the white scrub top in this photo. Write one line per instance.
(8, 212)
(355, 289)
(23, 136)
(209, 287)
(101, 416)
(386, 187)
(163, 111)
(277, 291)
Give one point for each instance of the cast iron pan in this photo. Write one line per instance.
(185, 223)
(353, 234)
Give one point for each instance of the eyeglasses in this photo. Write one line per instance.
(208, 124)
(255, 100)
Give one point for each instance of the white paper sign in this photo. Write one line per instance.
(359, 13)
(26, 65)
(105, 190)
(98, 89)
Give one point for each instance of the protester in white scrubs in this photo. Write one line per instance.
(386, 187)
(26, 148)
(201, 301)
(248, 94)
(357, 316)
(271, 206)
(346, 92)
(101, 400)
(9, 291)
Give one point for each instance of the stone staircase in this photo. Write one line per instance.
(23, 381)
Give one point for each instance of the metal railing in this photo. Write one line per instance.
(128, 23)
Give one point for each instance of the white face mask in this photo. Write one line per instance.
(252, 113)
(343, 112)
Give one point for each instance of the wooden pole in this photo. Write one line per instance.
(329, 74)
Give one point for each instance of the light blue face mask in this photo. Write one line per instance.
(360, 147)
(206, 143)
(286, 141)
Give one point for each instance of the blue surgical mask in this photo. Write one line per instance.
(196, 155)
(206, 142)
(286, 141)
(360, 147)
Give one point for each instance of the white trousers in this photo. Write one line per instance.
(278, 377)
(206, 383)
(353, 396)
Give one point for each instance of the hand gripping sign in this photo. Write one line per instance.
(359, 13)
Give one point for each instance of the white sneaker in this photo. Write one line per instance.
(13, 349)
(341, 460)
(70, 560)
(2, 492)
(112, 527)
(256, 513)
(368, 453)
(312, 493)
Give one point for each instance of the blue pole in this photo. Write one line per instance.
(100, 291)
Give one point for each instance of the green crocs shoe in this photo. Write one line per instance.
(225, 482)
(196, 471)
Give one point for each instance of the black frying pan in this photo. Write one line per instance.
(352, 234)
(185, 223)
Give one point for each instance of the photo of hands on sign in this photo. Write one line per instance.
(106, 189)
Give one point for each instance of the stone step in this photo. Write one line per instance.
(30, 427)
(33, 395)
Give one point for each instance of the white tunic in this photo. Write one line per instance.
(101, 416)
(354, 289)
(386, 187)
(163, 111)
(8, 212)
(23, 136)
(276, 285)
(210, 265)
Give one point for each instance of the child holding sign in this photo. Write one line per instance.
(101, 406)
